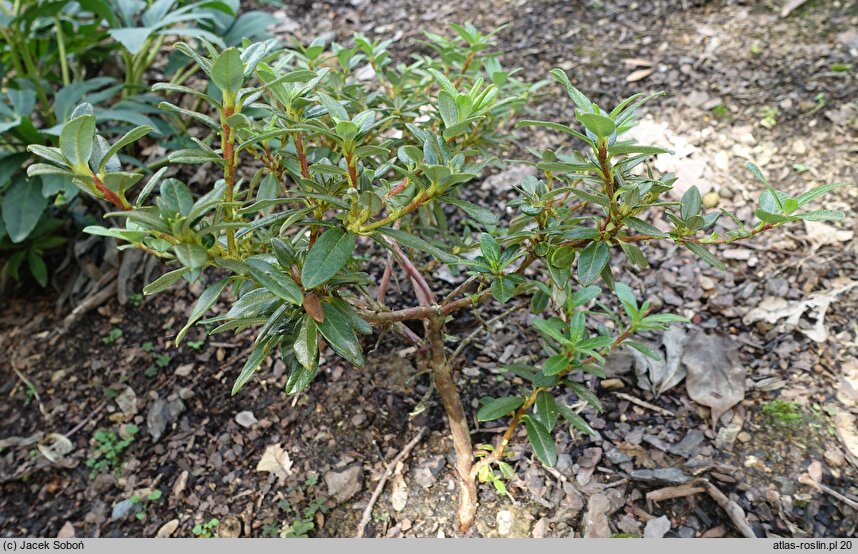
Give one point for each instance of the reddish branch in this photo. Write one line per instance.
(111, 196)
(302, 156)
(398, 188)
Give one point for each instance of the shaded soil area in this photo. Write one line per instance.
(742, 83)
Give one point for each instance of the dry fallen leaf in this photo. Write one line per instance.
(276, 461)
(715, 377)
(773, 308)
(167, 529)
(55, 447)
(399, 493)
(844, 423)
(662, 375)
(847, 386)
(815, 471)
(639, 75)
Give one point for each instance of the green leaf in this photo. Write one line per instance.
(690, 204)
(37, 267)
(194, 156)
(553, 328)
(340, 335)
(447, 108)
(498, 407)
(541, 441)
(329, 254)
(334, 108)
(822, 215)
(637, 149)
(768, 217)
(816, 192)
(644, 349)
(554, 126)
(585, 394)
(192, 256)
(757, 173)
(503, 288)
(164, 281)
(705, 255)
(627, 298)
(202, 305)
(643, 227)
(575, 420)
(600, 125)
(563, 256)
(586, 295)
(415, 242)
(490, 248)
(306, 346)
(481, 215)
(593, 258)
(257, 356)
(277, 282)
(555, 364)
(300, 378)
(546, 410)
(22, 207)
(228, 72)
(444, 83)
(154, 180)
(132, 38)
(50, 153)
(76, 140)
(581, 101)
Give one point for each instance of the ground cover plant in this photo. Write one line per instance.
(55, 55)
(314, 165)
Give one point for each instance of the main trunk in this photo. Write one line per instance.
(458, 424)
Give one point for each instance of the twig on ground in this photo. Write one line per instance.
(806, 479)
(31, 387)
(642, 404)
(367, 513)
(86, 420)
(668, 493)
(734, 511)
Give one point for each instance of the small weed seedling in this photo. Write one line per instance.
(488, 475)
(300, 507)
(112, 336)
(206, 530)
(195, 344)
(108, 448)
(769, 116)
(143, 503)
(30, 393)
(782, 413)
